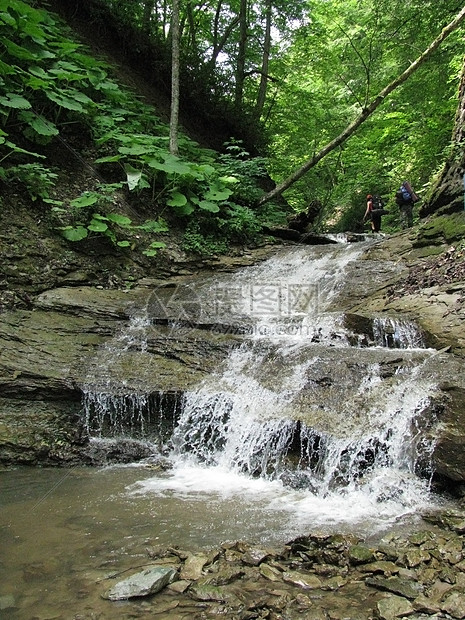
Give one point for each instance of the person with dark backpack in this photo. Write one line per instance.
(374, 211)
(405, 199)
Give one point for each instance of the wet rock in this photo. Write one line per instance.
(334, 583)
(453, 520)
(392, 607)
(415, 557)
(270, 573)
(438, 590)
(326, 570)
(145, 583)
(449, 453)
(208, 593)
(224, 576)
(118, 450)
(427, 576)
(359, 554)
(303, 580)
(426, 605)
(422, 538)
(452, 550)
(403, 587)
(454, 604)
(7, 601)
(254, 556)
(179, 586)
(447, 574)
(193, 566)
(381, 566)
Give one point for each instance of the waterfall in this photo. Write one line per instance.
(328, 413)
(398, 333)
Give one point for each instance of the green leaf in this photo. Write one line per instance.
(186, 209)
(57, 203)
(39, 72)
(217, 193)
(229, 179)
(40, 125)
(84, 201)
(154, 226)
(36, 83)
(121, 220)
(12, 100)
(17, 51)
(74, 233)
(207, 205)
(135, 149)
(17, 149)
(64, 100)
(123, 244)
(97, 226)
(108, 159)
(177, 200)
(6, 69)
(82, 97)
(152, 249)
(155, 163)
(7, 19)
(173, 165)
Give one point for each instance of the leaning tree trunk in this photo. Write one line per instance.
(448, 191)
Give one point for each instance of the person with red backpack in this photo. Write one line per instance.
(405, 199)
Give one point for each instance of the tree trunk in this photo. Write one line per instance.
(448, 191)
(147, 17)
(366, 112)
(241, 55)
(174, 117)
(265, 61)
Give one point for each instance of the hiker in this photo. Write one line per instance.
(374, 211)
(405, 199)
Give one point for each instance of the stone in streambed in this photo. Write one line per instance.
(149, 581)
(392, 607)
(306, 581)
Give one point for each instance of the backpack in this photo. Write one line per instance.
(406, 194)
(377, 202)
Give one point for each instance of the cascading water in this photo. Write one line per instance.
(329, 420)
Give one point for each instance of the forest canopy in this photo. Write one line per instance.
(283, 77)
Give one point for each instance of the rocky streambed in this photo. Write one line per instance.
(418, 575)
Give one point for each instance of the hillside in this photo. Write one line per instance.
(66, 219)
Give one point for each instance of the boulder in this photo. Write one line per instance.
(147, 582)
(391, 607)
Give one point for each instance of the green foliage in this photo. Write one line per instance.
(244, 171)
(328, 59)
(204, 244)
(49, 82)
(338, 61)
(80, 220)
(37, 179)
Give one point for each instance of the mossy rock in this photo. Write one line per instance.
(441, 229)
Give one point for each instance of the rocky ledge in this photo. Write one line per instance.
(430, 288)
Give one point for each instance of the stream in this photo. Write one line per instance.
(314, 420)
